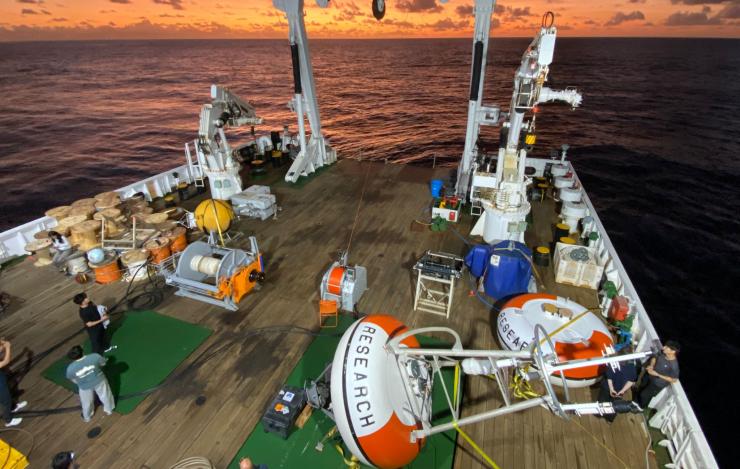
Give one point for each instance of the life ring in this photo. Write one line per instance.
(371, 410)
(576, 332)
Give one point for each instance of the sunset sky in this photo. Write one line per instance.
(22, 20)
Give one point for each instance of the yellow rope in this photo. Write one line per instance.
(465, 436)
(567, 324)
(475, 446)
(609, 450)
(522, 388)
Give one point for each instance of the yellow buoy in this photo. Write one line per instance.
(213, 215)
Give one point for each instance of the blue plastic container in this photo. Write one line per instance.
(436, 186)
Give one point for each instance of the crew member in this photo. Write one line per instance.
(6, 400)
(87, 373)
(616, 383)
(661, 371)
(62, 249)
(94, 324)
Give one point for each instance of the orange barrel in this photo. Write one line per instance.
(85, 234)
(58, 212)
(334, 285)
(107, 271)
(159, 248)
(178, 237)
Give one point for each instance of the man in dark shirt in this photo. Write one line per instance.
(661, 372)
(94, 324)
(616, 383)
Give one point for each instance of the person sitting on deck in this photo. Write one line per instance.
(616, 383)
(62, 249)
(87, 373)
(661, 372)
(6, 400)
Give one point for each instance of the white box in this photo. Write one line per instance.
(580, 273)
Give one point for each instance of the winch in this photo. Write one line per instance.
(344, 284)
(213, 274)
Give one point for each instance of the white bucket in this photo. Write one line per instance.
(77, 265)
(136, 272)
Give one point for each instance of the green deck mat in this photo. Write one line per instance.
(299, 449)
(150, 346)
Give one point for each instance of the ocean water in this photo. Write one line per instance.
(655, 143)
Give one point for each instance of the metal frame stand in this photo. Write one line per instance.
(434, 301)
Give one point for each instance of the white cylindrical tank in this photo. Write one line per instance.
(371, 408)
(571, 213)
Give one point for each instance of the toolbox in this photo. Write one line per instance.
(284, 410)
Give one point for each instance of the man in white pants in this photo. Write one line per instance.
(87, 373)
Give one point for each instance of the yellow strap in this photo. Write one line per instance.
(477, 448)
(459, 430)
(352, 463)
(567, 324)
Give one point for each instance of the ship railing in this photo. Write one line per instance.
(686, 443)
(13, 241)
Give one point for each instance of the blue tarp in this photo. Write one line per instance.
(510, 272)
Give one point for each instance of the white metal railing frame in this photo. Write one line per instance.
(686, 443)
(13, 241)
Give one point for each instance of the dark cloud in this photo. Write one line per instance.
(448, 24)
(620, 18)
(697, 2)
(176, 4)
(638, 1)
(416, 6)
(167, 15)
(730, 12)
(464, 10)
(682, 18)
(518, 12)
(499, 8)
(141, 30)
(590, 22)
(122, 2)
(45, 12)
(59, 20)
(28, 11)
(31, 2)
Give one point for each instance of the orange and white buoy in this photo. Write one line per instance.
(576, 332)
(372, 413)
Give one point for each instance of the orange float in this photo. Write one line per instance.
(373, 416)
(575, 331)
(159, 248)
(107, 271)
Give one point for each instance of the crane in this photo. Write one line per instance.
(503, 194)
(214, 154)
(316, 152)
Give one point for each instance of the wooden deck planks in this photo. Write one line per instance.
(239, 381)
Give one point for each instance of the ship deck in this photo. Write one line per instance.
(242, 375)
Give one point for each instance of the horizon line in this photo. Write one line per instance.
(409, 38)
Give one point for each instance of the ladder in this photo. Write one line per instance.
(194, 167)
